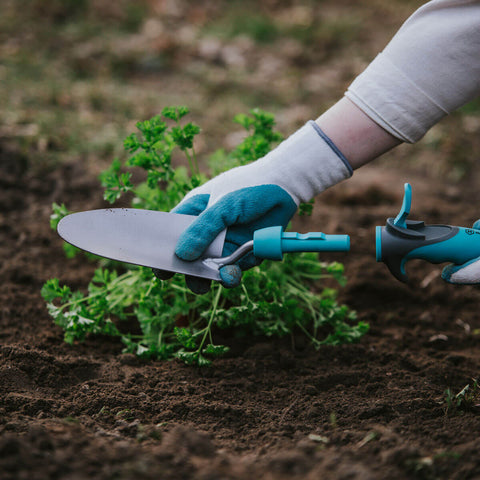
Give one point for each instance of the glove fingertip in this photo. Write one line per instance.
(466, 274)
(447, 273)
(231, 276)
(194, 205)
(249, 261)
(162, 274)
(198, 285)
(188, 249)
(194, 241)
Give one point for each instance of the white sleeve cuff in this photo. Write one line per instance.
(393, 101)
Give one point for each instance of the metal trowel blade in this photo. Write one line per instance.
(141, 237)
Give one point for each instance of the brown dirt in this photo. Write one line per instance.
(375, 409)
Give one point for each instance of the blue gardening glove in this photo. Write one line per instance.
(243, 211)
(261, 194)
(466, 274)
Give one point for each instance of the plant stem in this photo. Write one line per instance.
(195, 161)
(190, 163)
(210, 321)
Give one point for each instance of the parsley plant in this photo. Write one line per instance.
(274, 299)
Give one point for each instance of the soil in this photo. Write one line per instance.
(372, 410)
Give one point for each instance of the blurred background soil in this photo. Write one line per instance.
(75, 77)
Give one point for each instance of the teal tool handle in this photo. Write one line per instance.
(401, 240)
(433, 243)
(460, 248)
(272, 242)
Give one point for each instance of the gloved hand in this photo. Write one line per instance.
(261, 194)
(466, 274)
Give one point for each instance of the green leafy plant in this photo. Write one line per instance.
(274, 299)
(466, 399)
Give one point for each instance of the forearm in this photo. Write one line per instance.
(430, 68)
(355, 134)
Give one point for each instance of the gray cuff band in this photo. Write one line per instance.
(329, 142)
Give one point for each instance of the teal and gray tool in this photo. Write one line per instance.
(148, 238)
(402, 240)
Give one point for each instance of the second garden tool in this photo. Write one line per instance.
(148, 238)
(401, 240)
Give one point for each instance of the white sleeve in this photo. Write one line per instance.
(430, 68)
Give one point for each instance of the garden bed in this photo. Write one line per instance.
(270, 408)
(72, 86)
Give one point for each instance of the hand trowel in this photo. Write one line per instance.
(148, 238)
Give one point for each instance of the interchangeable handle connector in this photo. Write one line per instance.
(272, 242)
(402, 240)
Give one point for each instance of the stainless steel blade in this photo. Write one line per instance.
(141, 237)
